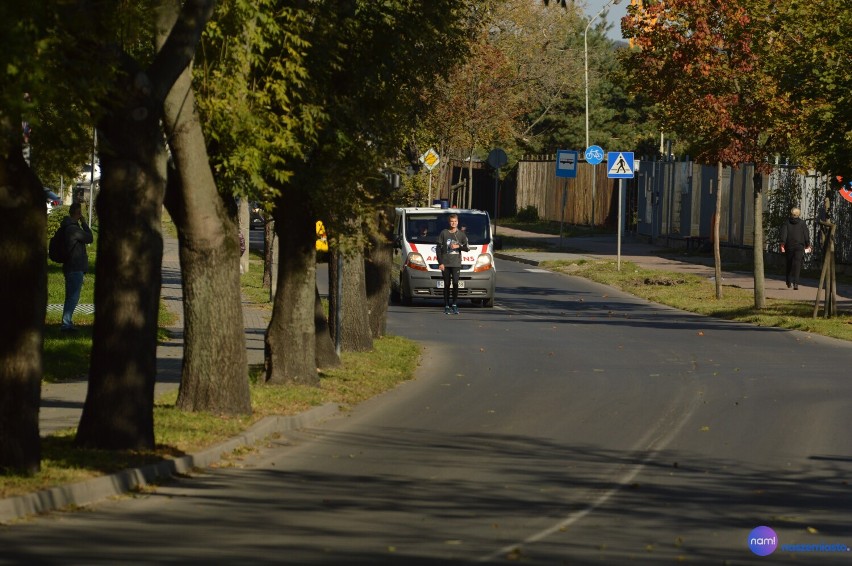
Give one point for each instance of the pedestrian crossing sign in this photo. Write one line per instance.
(620, 165)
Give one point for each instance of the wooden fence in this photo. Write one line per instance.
(552, 196)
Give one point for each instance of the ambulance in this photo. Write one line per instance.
(415, 273)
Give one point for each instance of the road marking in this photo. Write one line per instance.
(653, 442)
(537, 270)
(80, 309)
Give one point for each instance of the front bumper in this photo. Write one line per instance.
(418, 283)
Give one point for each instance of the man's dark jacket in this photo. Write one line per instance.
(794, 233)
(77, 235)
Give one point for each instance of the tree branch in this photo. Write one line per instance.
(179, 48)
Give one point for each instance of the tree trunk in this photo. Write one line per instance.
(23, 299)
(759, 283)
(245, 232)
(326, 355)
(268, 242)
(377, 270)
(215, 364)
(290, 337)
(717, 216)
(469, 201)
(119, 410)
(355, 334)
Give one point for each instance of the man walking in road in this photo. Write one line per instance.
(76, 235)
(795, 241)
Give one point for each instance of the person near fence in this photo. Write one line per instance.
(795, 241)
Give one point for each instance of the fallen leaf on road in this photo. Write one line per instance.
(514, 554)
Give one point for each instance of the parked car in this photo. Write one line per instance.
(256, 220)
(52, 199)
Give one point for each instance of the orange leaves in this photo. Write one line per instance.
(711, 73)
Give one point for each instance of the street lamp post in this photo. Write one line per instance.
(586, 65)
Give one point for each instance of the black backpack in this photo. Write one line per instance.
(57, 249)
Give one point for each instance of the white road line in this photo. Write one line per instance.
(654, 441)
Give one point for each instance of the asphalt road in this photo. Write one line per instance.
(570, 424)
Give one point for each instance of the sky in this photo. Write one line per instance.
(614, 15)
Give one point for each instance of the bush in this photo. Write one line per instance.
(55, 218)
(528, 214)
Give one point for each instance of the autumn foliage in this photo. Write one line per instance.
(706, 64)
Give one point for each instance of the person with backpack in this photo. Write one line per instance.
(75, 235)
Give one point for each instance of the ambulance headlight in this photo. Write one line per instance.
(416, 261)
(483, 263)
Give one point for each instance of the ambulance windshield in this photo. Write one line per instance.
(426, 227)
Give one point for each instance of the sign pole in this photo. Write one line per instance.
(430, 159)
(338, 307)
(497, 158)
(564, 202)
(594, 187)
(594, 154)
(620, 188)
(566, 167)
(496, 188)
(620, 165)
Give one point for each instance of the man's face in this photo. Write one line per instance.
(454, 222)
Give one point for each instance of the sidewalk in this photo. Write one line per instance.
(62, 406)
(649, 256)
(62, 403)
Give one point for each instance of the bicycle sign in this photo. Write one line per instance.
(594, 154)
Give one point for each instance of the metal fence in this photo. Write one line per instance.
(676, 200)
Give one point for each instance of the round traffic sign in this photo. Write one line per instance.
(497, 158)
(594, 154)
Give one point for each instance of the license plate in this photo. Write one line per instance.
(441, 284)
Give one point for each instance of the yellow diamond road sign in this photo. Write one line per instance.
(430, 159)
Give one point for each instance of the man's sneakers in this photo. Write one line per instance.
(70, 328)
(455, 309)
(451, 310)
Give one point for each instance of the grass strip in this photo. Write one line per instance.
(360, 376)
(698, 294)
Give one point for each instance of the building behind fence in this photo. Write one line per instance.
(673, 202)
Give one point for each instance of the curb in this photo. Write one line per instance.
(100, 488)
(510, 257)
